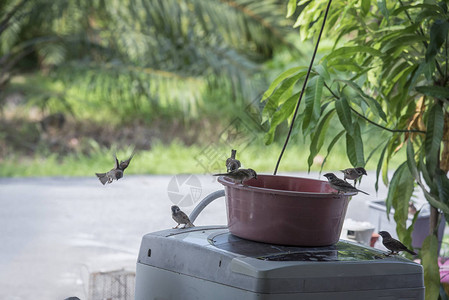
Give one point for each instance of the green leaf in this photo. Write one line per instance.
(374, 151)
(285, 110)
(349, 52)
(382, 4)
(433, 200)
(323, 71)
(399, 193)
(312, 101)
(366, 4)
(291, 8)
(425, 174)
(372, 103)
(419, 70)
(434, 12)
(354, 147)
(402, 42)
(438, 35)
(318, 136)
(379, 166)
(442, 184)
(439, 92)
(429, 254)
(411, 162)
(344, 114)
(281, 78)
(331, 146)
(434, 135)
(280, 95)
(422, 7)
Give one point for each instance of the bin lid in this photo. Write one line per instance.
(212, 253)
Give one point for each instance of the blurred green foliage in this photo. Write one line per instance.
(122, 60)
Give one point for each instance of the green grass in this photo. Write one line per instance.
(174, 159)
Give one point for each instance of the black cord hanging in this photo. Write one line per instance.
(303, 88)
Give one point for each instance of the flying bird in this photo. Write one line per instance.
(340, 185)
(354, 173)
(180, 217)
(240, 175)
(232, 163)
(116, 173)
(124, 164)
(392, 244)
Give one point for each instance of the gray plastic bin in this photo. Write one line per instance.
(210, 263)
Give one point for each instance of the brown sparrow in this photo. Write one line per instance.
(114, 174)
(353, 173)
(180, 217)
(232, 163)
(240, 175)
(393, 245)
(340, 185)
(124, 164)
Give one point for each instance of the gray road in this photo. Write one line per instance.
(55, 231)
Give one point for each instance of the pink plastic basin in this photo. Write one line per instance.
(285, 210)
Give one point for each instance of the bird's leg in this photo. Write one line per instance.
(184, 226)
(355, 182)
(176, 226)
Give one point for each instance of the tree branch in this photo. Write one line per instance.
(370, 121)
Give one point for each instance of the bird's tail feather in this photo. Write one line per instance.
(411, 252)
(220, 174)
(363, 192)
(103, 178)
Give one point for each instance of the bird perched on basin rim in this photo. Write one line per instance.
(340, 185)
(116, 173)
(354, 173)
(240, 175)
(232, 163)
(392, 244)
(180, 217)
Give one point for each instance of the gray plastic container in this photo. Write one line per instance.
(210, 263)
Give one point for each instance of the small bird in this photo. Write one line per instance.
(232, 163)
(180, 217)
(392, 244)
(240, 175)
(115, 173)
(124, 164)
(340, 185)
(354, 173)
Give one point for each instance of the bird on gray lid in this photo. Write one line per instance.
(392, 244)
(180, 217)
